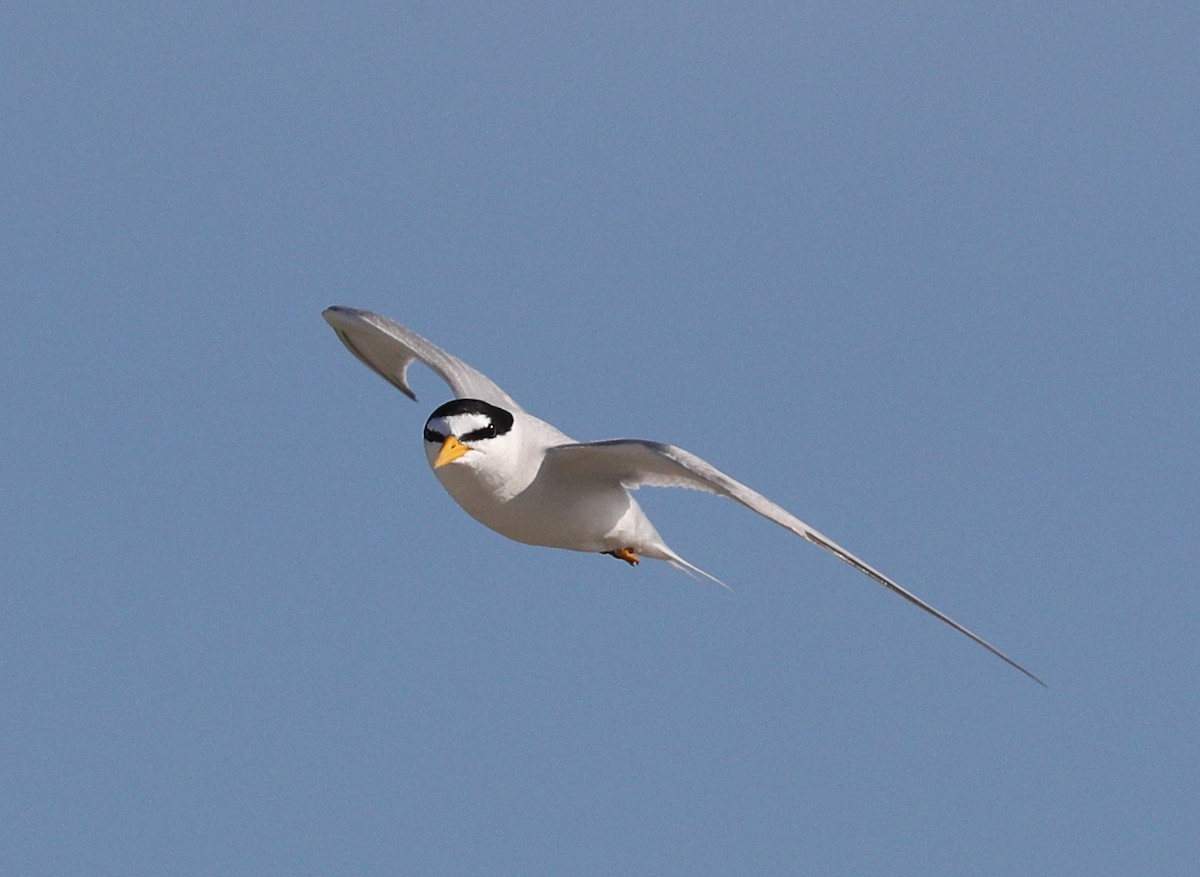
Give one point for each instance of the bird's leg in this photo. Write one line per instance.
(626, 554)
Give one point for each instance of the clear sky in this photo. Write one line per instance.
(926, 276)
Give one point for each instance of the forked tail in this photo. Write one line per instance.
(691, 569)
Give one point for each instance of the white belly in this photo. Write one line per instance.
(572, 516)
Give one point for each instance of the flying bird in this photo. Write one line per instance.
(529, 481)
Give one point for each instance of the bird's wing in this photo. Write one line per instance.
(389, 349)
(635, 463)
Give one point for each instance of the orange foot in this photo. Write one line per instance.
(626, 554)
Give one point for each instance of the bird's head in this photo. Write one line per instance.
(467, 432)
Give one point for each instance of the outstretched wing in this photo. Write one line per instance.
(637, 463)
(389, 349)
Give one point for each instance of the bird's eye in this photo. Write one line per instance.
(431, 436)
(484, 432)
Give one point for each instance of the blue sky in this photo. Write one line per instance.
(927, 277)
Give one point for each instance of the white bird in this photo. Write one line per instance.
(529, 481)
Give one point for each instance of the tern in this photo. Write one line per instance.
(531, 482)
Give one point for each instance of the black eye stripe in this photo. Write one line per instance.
(484, 432)
(500, 421)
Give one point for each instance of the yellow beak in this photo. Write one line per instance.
(451, 450)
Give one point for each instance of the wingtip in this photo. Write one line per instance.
(335, 314)
(1032, 676)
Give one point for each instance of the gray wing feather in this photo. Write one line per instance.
(389, 349)
(636, 463)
